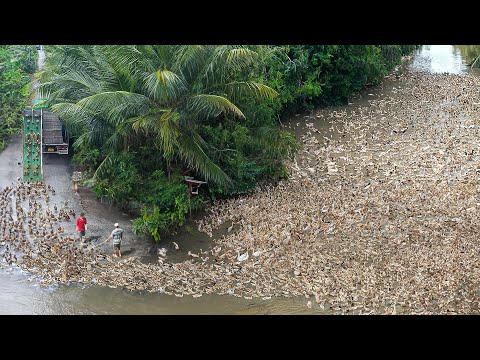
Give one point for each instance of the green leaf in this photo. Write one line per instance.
(212, 106)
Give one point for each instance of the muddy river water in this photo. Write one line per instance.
(21, 294)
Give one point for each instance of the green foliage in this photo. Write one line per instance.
(162, 192)
(26, 57)
(166, 206)
(408, 49)
(88, 157)
(14, 84)
(150, 223)
(119, 182)
(306, 76)
(248, 155)
(391, 55)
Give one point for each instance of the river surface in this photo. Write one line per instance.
(21, 294)
(446, 58)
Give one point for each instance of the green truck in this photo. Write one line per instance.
(32, 140)
(43, 132)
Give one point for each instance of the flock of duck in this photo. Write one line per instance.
(379, 216)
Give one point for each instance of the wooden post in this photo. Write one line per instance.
(191, 182)
(189, 206)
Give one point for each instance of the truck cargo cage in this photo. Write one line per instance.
(43, 132)
(54, 141)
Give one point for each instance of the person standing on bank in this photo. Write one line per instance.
(116, 235)
(82, 227)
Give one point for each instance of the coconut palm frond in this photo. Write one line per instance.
(240, 58)
(276, 142)
(123, 57)
(189, 60)
(164, 85)
(212, 106)
(106, 165)
(193, 154)
(149, 123)
(116, 105)
(241, 89)
(168, 133)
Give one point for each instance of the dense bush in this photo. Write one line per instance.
(306, 76)
(120, 180)
(166, 204)
(15, 64)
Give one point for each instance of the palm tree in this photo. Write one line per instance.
(115, 96)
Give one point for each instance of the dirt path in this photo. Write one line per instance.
(101, 217)
(11, 162)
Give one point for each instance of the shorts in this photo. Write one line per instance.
(116, 246)
(82, 233)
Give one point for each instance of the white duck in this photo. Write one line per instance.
(257, 253)
(242, 257)
(162, 252)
